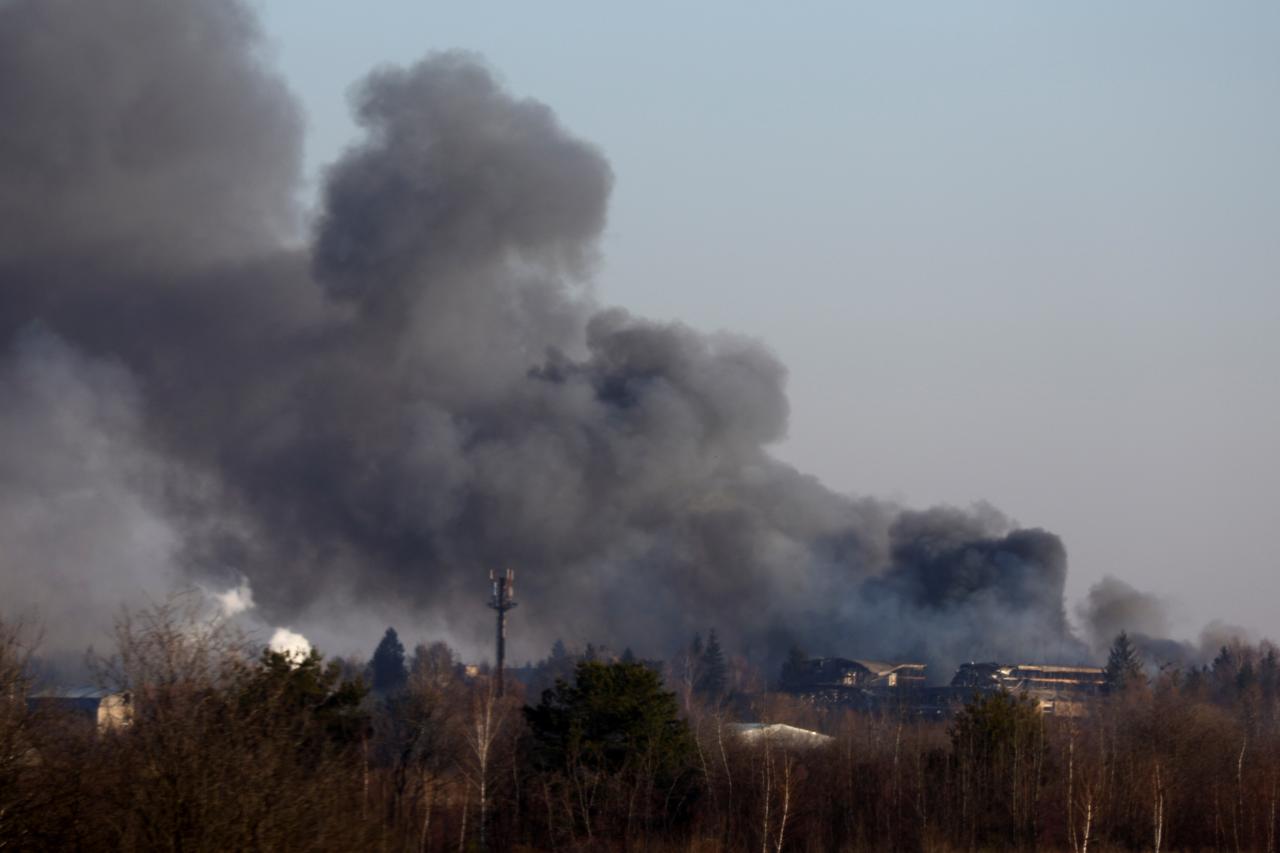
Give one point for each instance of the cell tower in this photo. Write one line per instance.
(503, 599)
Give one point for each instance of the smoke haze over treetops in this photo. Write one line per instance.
(426, 390)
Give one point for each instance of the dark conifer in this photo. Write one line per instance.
(1269, 674)
(1124, 665)
(793, 666)
(607, 716)
(387, 669)
(713, 672)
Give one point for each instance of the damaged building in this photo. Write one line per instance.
(843, 672)
(901, 687)
(849, 681)
(1060, 690)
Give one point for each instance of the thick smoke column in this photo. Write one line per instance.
(425, 392)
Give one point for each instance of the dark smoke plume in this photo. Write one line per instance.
(427, 390)
(1113, 606)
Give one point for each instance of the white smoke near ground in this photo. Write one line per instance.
(236, 603)
(236, 600)
(290, 644)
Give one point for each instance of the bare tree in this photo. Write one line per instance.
(16, 796)
(485, 724)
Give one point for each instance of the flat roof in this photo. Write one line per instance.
(73, 693)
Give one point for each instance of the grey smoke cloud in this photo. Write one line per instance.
(82, 507)
(426, 390)
(124, 136)
(1113, 606)
(455, 173)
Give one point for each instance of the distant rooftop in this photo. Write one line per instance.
(73, 693)
(779, 733)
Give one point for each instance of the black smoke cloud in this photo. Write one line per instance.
(425, 390)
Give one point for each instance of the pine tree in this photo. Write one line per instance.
(793, 667)
(1195, 685)
(712, 669)
(1269, 674)
(558, 665)
(325, 705)
(997, 744)
(1124, 665)
(1226, 669)
(1246, 678)
(386, 668)
(609, 714)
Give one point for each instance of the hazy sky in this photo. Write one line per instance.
(1010, 252)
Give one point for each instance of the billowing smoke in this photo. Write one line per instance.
(83, 521)
(236, 600)
(423, 391)
(291, 644)
(1113, 606)
(972, 583)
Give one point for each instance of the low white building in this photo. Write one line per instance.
(107, 710)
(779, 734)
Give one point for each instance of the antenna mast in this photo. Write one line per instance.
(503, 600)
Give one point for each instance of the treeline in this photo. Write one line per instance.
(232, 748)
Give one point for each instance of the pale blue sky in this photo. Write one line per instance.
(1010, 251)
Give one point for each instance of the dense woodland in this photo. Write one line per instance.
(233, 748)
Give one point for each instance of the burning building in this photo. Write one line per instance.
(357, 416)
(876, 685)
(1059, 690)
(844, 680)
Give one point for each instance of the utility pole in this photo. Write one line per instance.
(503, 600)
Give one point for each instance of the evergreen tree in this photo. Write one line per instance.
(628, 656)
(793, 667)
(1269, 674)
(1246, 678)
(558, 665)
(1225, 671)
(320, 703)
(997, 742)
(1124, 665)
(712, 670)
(1195, 685)
(386, 669)
(609, 715)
